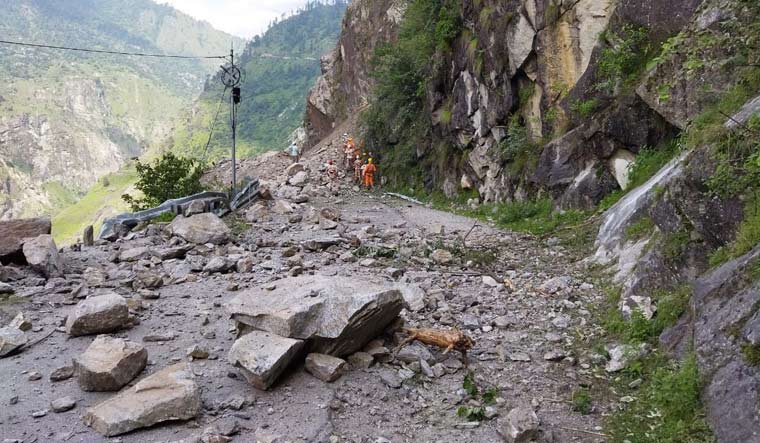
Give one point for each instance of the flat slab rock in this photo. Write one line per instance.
(41, 254)
(262, 356)
(170, 394)
(98, 314)
(201, 229)
(13, 233)
(109, 363)
(338, 315)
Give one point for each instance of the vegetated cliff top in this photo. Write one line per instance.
(279, 68)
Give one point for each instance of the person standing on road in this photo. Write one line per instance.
(332, 177)
(358, 170)
(294, 152)
(369, 174)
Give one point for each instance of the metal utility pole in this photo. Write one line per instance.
(231, 79)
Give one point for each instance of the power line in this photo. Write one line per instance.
(100, 51)
(213, 124)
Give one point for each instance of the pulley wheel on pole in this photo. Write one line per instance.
(231, 76)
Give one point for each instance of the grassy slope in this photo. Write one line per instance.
(101, 201)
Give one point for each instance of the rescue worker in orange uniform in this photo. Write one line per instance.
(369, 174)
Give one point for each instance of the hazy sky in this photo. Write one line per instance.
(244, 18)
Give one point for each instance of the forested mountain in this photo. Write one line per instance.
(279, 68)
(68, 118)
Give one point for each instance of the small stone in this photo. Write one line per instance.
(263, 356)
(503, 322)
(197, 352)
(519, 356)
(490, 281)
(325, 367)
(561, 321)
(555, 355)
(39, 414)
(555, 285)
(390, 379)
(62, 404)
(521, 425)
(361, 360)
(62, 373)
(441, 256)
(34, 376)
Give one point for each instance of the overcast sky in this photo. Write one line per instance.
(244, 18)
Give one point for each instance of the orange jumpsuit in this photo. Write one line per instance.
(369, 179)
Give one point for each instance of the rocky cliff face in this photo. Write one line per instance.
(558, 99)
(345, 85)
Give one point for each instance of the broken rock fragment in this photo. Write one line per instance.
(170, 394)
(338, 315)
(262, 356)
(109, 363)
(325, 367)
(98, 314)
(201, 229)
(520, 426)
(14, 232)
(10, 340)
(41, 254)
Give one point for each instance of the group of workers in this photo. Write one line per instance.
(356, 160)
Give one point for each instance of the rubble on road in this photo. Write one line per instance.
(109, 363)
(98, 314)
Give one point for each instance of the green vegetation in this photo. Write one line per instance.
(585, 108)
(639, 229)
(582, 402)
(102, 201)
(274, 89)
(396, 120)
(667, 408)
(517, 149)
(168, 177)
(751, 353)
(486, 397)
(374, 251)
(625, 58)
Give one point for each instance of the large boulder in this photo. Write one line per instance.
(109, 363)
(11, 339)
(13, 233)
(170, 394)
(98, 314)
(338, 315)
(201, 229)
(263, 356)
(41, 254)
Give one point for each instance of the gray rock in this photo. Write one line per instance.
(109, 363)
(62, 404)
(62, 373)
(338, 315)
(11, 339)
(555, 285)
(414, 296)
(5, 288)
(361, 360)
(299, 179)
(320, 244)
(561, 321)
(325, 367)
(102, 313)
(88, 236)
(134, 254)
(170, 394)
(521, 425)
(147, 280)
(41, 254)
(13, 233)
(414, 353)
(390, 379)
(195, 207)
(294, 169)
(262, 356)
(519, 356)
(622, 355)
(201, 229)
(219, 264)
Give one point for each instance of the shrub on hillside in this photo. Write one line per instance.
(167, 177)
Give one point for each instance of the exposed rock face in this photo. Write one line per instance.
(14, 232)
(41, 254)
(98, 314)
(170, 394)
(337, 315)
(262, 356)
(201, 229)
(109, 363)
(725, 300)
(345, 84)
